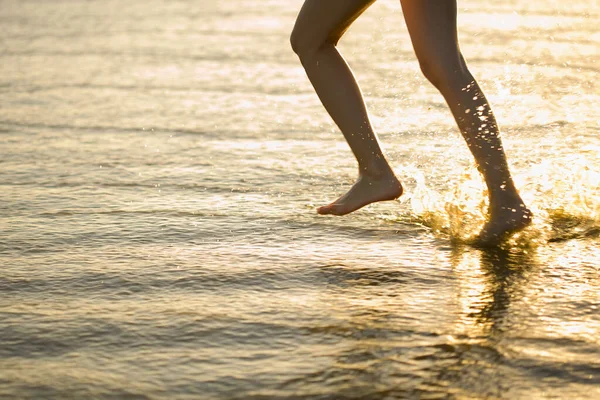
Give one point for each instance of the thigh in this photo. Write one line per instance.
(325, 21)
(432, 28)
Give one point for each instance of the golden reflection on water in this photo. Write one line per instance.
(488, 279)
(211, 273)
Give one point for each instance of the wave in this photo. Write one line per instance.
(99, 128)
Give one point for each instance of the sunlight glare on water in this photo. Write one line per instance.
(161, 165)
(563, 196)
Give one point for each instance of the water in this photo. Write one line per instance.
(161, 162)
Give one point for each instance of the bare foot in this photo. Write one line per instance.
(502, 224)
(365, 191)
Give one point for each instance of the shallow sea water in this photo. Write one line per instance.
(161, 162)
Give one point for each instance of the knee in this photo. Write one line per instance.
(296, 42)
(443, 72)
(306, 45)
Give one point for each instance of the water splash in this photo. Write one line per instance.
(458, 214)
(564, 196)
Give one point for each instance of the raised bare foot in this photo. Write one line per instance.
(502, 224)
(365, 191)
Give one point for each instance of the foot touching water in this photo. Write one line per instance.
(366, 190)
(502, 224)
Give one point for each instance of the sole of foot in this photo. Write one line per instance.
(502, 226)
(365, 191)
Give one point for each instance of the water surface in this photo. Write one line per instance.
(161, 162)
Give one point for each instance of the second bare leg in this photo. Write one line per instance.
(432, 28)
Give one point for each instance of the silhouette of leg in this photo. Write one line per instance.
(433, 32)
(319, 26)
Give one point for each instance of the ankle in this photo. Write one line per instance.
(376, 170)
(505, 196)
(504, 207)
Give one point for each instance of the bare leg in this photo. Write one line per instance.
(319, 26)
(432, 28)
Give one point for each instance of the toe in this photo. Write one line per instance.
(324, 210)
(333, 209)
